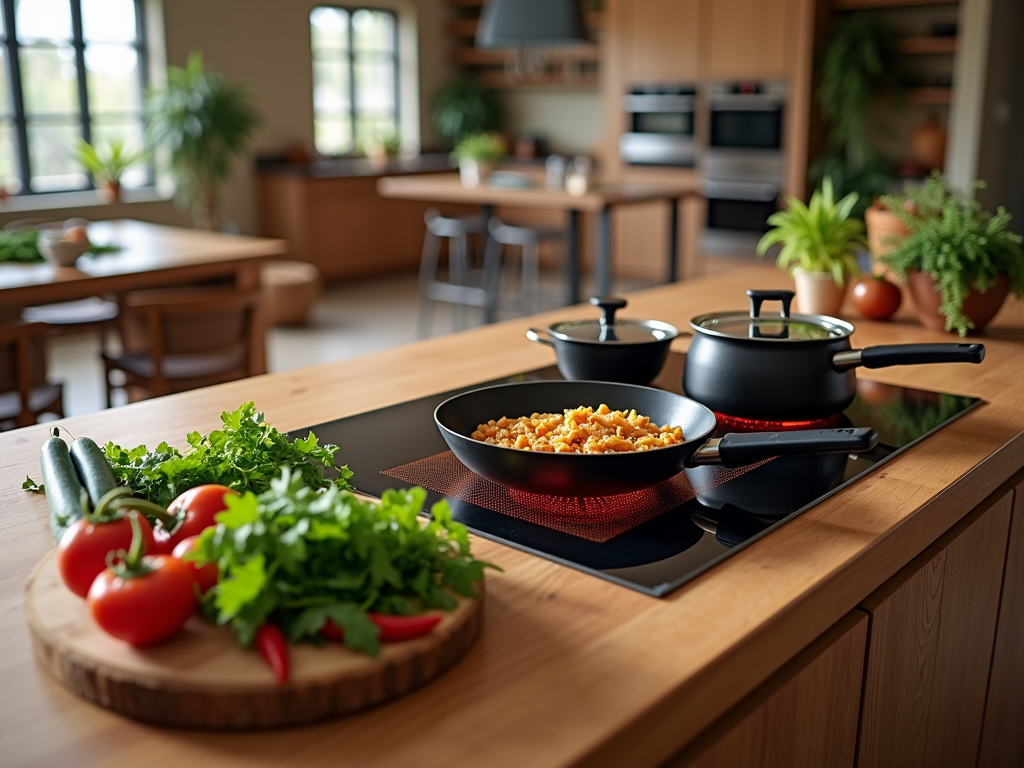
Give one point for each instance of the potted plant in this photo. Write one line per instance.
(819, 242)
(382, 147)
(106, 164)
(203, 124)
(462, 108)
(959, 261)
(477, 155)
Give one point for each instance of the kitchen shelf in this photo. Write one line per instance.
(930, 96)
(926, 45)
(559, 81)
(857, 5)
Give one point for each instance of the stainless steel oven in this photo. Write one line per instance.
(744, 164)
(661, 121)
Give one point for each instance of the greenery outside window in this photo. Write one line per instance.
(355, 77)
(69, 69)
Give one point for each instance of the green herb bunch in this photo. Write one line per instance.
(23, 246)
(298, 557)
(955, 241)
(818, 237)
(246, 454)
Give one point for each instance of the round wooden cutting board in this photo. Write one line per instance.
(201, 678)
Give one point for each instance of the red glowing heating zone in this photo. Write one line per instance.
(740, 424)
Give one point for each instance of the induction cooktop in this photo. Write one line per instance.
(653, 541)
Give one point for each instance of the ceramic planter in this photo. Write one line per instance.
(882, 225)
(979, 307)
(473, 173)
(817, 293)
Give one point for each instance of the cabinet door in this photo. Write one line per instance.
(930, 647)
(661, 41)
(748, 38)
(805, 716)
(1002, 737)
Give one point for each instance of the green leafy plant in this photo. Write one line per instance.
(389, 142)
(296, 558)
(860, 59)
(482, 147)
(22, 245)
(245, 454)
(955, 241)
(465, 107)
(107, 163)
(203, 124)
(818, 237)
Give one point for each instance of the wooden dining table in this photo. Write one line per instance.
(149, 256)
(600, 199)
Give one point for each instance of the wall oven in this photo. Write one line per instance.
(661, 120)
(744, 164)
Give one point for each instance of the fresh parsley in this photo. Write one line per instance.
(245, 454)
(297, 557)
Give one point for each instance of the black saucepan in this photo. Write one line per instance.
(573, 474)
(790, 367)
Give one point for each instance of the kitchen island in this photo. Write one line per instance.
(787, 651)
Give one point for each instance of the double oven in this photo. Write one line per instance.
(736, 141)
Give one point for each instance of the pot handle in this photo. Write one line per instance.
(758, 297)
(909, 354)
(742, 448)
(534, 335)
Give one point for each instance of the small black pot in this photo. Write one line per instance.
(623, 351)
(790, 368)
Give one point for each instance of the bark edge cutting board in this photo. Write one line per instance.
(201, 678)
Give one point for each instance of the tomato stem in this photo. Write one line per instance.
(132, 563)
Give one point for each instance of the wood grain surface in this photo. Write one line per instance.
(568, 670)
(201, 678)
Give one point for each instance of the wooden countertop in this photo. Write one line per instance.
(569, 669)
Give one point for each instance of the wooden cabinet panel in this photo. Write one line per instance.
(1002, 737)
(805, 716)
(930, 647)
(662, 39)
(747, 38)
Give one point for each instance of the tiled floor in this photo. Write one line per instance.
(348, 321)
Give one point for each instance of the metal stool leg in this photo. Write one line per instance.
(531, 276)
(428, 273)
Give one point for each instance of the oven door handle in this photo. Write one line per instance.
(741, 190)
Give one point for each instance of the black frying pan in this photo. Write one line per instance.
(563, 474)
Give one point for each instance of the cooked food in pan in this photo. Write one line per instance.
(579, 430)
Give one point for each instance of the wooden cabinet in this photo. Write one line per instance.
(930, 647)
(748, 38)
(1002, 737)
(661, 39)
(804, 717)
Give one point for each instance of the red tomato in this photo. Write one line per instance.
(82, 551)
(205, 576)
(198, 505)
(876, 298)
(144, 609)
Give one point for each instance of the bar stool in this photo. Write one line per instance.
(464, 286)
(529, 239)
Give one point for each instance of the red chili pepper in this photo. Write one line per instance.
(392, 628)
(274, 648)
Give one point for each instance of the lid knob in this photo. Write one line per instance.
(757, 297)
(609, 305)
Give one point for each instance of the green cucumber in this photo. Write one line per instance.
(93, 469)
(64, 492)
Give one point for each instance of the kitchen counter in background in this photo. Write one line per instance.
(769, 654)
(349, 167)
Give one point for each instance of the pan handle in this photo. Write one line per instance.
(534, 335)
(909, 354)
(740, 449)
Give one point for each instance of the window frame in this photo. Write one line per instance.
(351, 60)
(12, 47)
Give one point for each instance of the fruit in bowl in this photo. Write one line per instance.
(59, 249)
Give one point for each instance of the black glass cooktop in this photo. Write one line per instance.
(660, 554)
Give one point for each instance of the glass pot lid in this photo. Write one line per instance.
(608, 330)
(770, 327)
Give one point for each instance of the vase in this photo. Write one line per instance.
(817, 293)
(979, 307)
(928, 143)
(473, 173)
(883, 228)
(110, 192)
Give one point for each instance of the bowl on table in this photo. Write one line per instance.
(58, 250)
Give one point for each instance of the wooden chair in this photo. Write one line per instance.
(182, 338)
(25, 393)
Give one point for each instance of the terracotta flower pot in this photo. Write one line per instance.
(110, 192)
(979, 307)
(817, 293)
(882, 225)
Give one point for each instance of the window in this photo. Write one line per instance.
(71, 69)
(355, 77)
